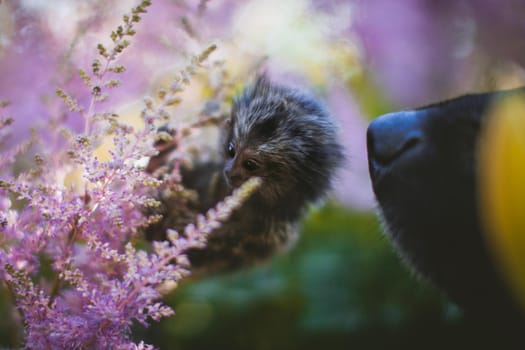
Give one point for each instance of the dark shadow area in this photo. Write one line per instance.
(342, 287)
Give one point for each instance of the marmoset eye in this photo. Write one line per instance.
(231, 150)
(250, 165)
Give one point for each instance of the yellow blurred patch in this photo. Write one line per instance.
(296, 37)
(502, 188)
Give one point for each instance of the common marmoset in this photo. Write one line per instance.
(286, 138)
(423, 168)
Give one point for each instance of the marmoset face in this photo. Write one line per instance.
(284, 137)
(250, 148)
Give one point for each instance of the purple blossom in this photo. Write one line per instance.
(65, 208)
(421, 51)
(100, 282)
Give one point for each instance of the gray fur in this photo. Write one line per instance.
(293, 143)
(299, 151)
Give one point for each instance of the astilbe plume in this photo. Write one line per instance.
(68, 254)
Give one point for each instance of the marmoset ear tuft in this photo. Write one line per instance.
(262, 85)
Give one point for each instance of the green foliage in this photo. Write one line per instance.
(341, 285)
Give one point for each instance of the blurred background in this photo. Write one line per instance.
(342, 287)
